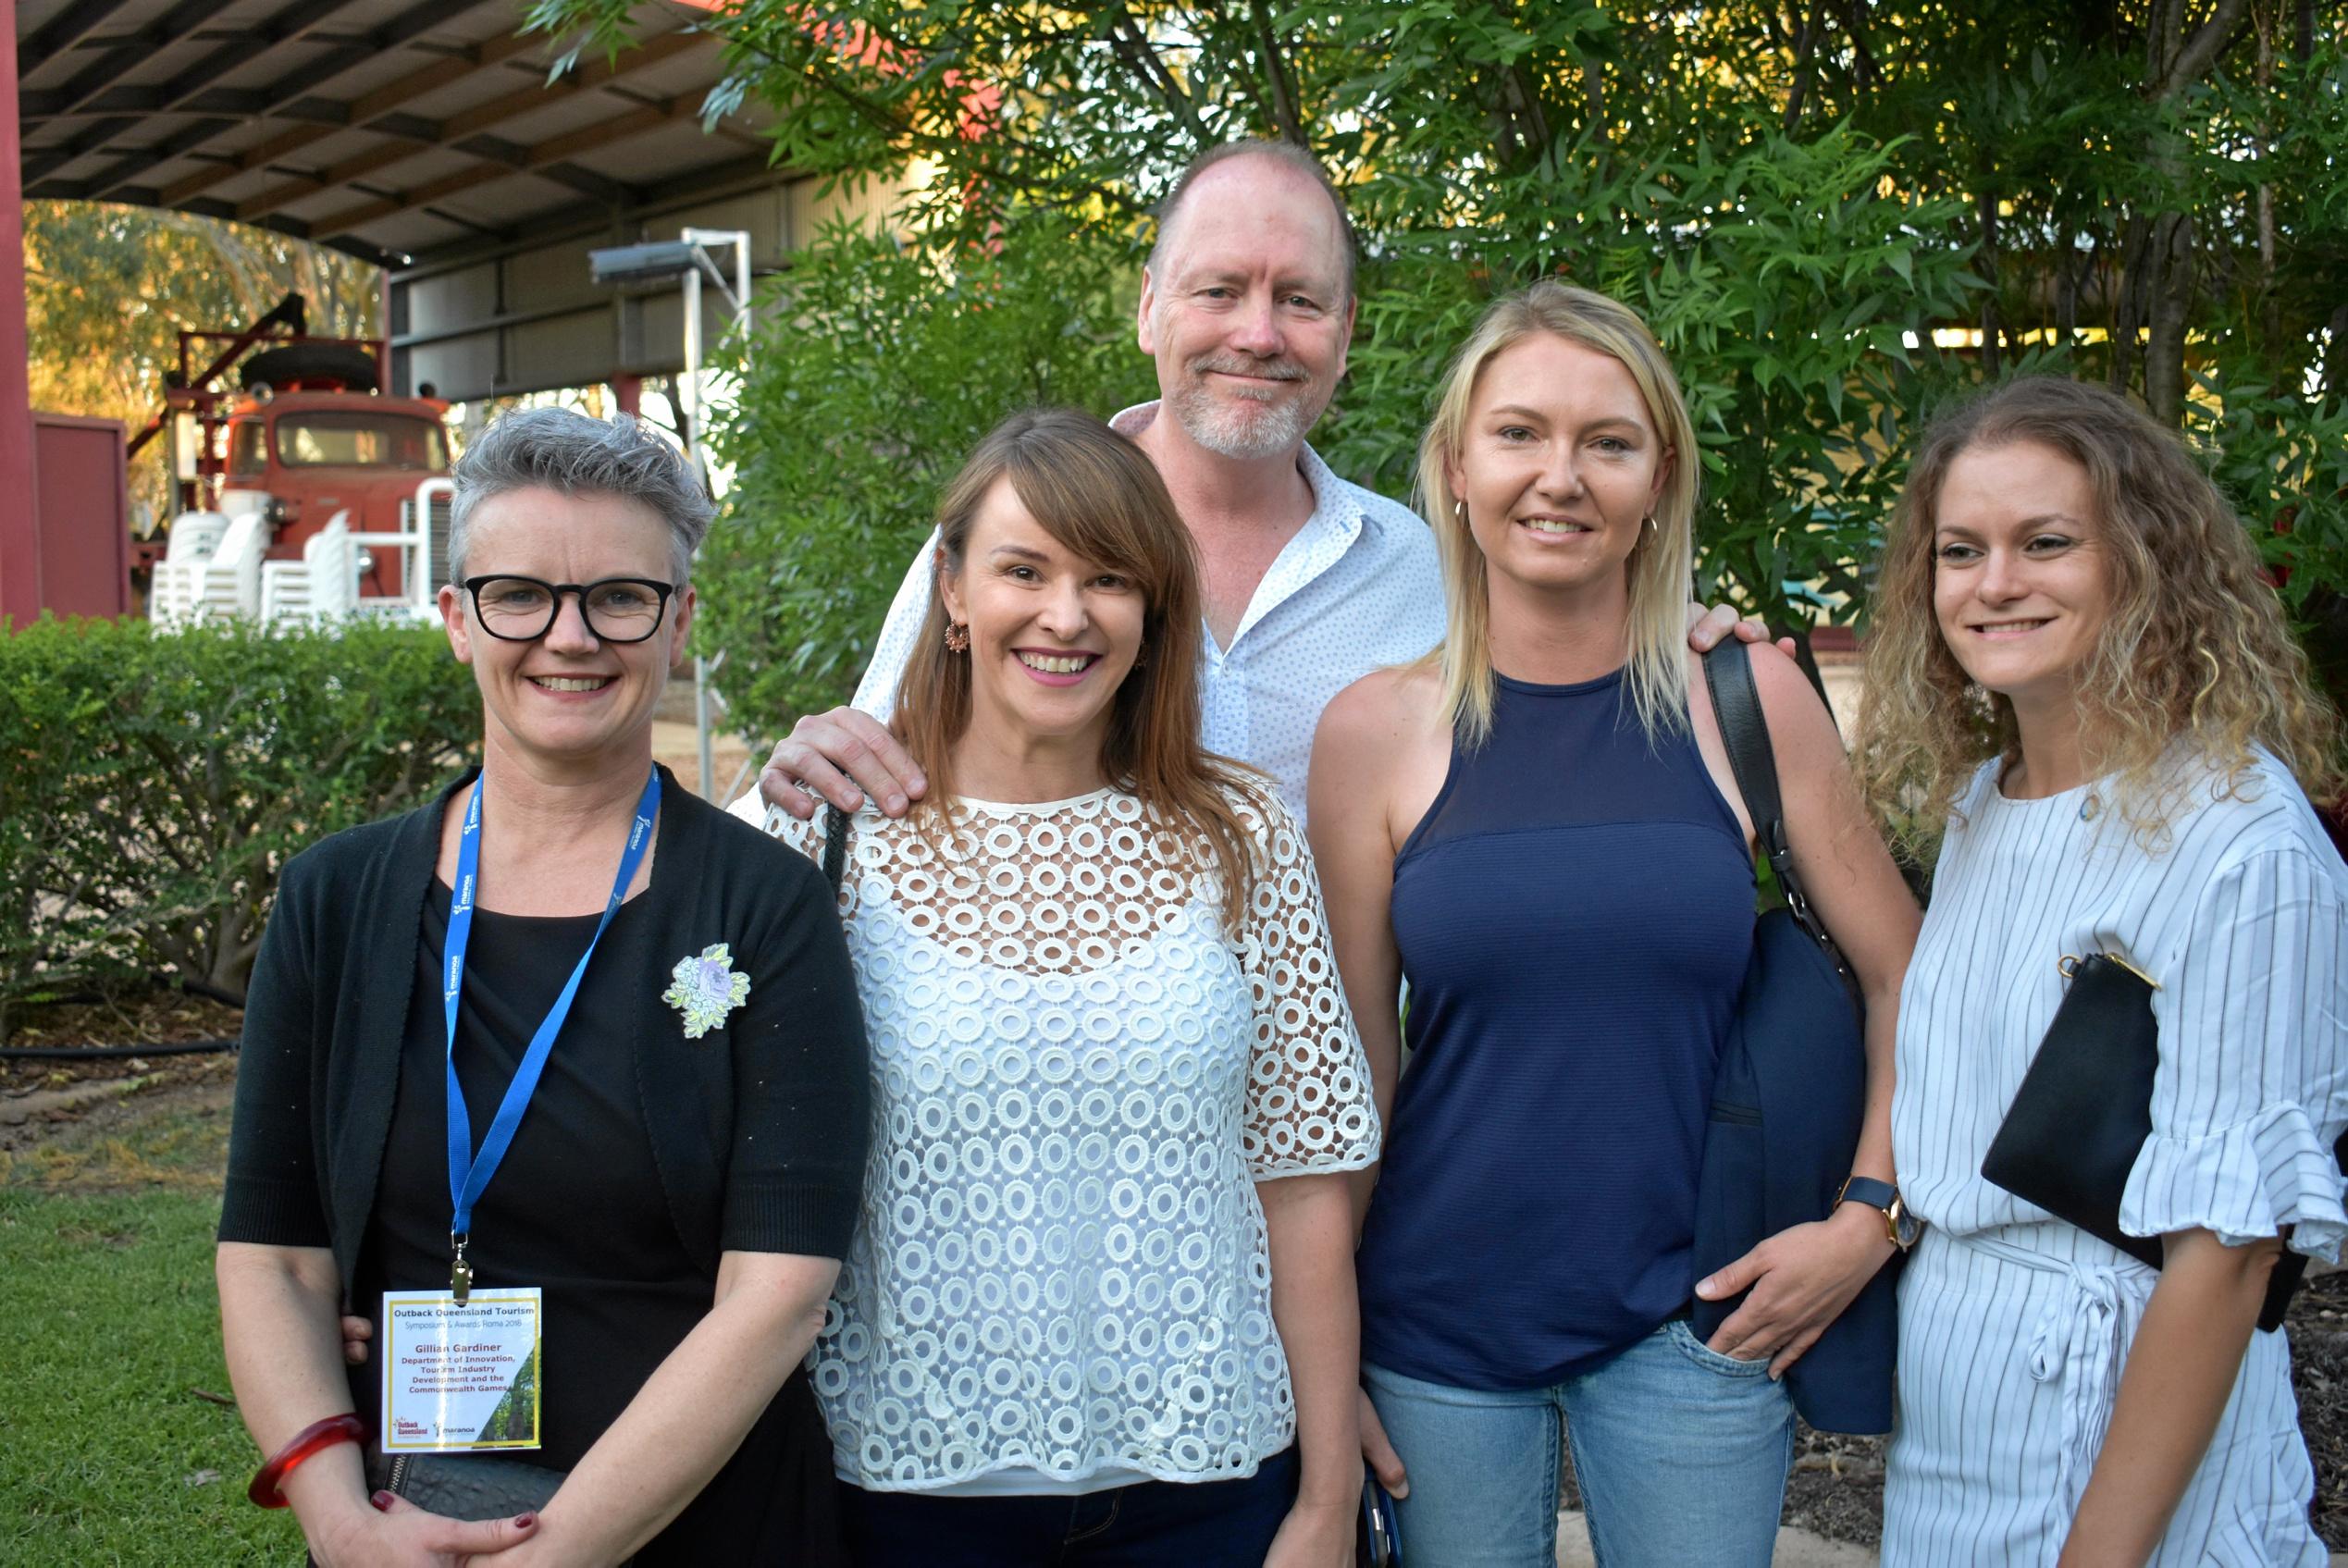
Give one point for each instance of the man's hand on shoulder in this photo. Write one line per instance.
(845, 757)
(1706, 627)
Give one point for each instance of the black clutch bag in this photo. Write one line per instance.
(2084, 1109)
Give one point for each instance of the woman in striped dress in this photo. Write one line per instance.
(2075, 662)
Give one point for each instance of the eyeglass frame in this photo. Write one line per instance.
(472, 587)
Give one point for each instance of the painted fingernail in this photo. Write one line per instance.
(524, 1521)
(382, 1502)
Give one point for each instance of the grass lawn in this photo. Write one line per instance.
(108, 1453)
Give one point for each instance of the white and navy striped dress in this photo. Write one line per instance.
(2013, 1325)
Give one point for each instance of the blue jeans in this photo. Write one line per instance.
(1147, 1525)
(1680, 1454)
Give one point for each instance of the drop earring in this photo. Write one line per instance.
(958, 637)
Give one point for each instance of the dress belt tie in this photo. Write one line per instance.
(2079, 1343)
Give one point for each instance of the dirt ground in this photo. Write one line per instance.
(90, 1125)
(82, 1124)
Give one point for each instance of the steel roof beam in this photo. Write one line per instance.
(363, 112)
(40, 162)
(536, 160)
(598, 73)
(233, 106)
(125, 169)
(471, 121)
(286, 27)
(127, 54)
(373, 112)
(304, 20)
(412, 24)
(68, 27)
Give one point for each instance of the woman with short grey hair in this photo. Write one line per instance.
(560, 1081)
(557, 450)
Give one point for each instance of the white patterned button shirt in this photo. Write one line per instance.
(1358, 589)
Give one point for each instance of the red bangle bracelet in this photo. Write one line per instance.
(316, 1436)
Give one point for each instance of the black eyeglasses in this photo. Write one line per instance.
(615, 609)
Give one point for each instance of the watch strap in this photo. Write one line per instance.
(1867, 1190)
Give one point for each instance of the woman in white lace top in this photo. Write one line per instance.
(1101, 1304)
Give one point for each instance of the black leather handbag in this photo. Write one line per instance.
(1790, 1096)
(2084, 1108)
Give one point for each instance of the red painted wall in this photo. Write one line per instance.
(82, 549)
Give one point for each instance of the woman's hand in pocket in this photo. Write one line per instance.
(1378, 1454)
(1801, 1279)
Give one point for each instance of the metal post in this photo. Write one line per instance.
(689, 395)
(688, 404)
(689, 386)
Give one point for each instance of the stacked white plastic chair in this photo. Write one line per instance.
(228, 582)
(323, 585)
(212, 569)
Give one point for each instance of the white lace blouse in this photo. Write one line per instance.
(1061, 1280)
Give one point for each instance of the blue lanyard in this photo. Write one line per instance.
(468, 1175)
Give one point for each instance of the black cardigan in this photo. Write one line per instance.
(328, 1006)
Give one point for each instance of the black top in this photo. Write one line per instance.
(643, 1155)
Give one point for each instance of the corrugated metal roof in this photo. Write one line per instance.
(398, 131)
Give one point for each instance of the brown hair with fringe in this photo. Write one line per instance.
(1100, 498)
(2194, 647)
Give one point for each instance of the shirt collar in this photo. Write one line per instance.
(1337, 506)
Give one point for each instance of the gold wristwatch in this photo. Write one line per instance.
(1899, 1224)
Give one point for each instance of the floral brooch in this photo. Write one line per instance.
(704, 988)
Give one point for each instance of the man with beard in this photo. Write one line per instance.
(1247, 306)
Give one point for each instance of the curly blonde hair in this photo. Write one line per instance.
(2194, 647)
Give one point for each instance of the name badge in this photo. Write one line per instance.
(459, 1377)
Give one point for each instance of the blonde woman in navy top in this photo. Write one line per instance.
(1538, 828)
(2075, 667)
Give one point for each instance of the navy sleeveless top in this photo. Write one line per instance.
(1574, 914)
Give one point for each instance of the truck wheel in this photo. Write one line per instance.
(312, 362)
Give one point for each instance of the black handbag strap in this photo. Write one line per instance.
(1744, 730)
(835, 836)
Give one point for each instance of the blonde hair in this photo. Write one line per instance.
(2194, 647)
(1095, 492)
(1661, 564)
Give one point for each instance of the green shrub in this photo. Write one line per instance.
(878, 371)
(154, 784)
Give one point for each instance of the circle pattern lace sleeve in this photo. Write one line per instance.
(1079, 1075)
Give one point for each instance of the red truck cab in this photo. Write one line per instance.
(302, 456)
